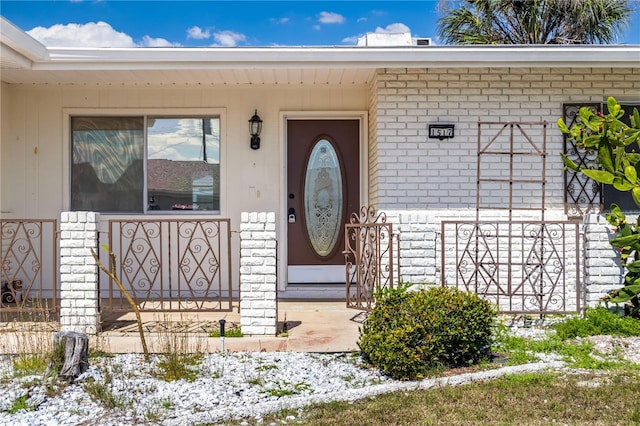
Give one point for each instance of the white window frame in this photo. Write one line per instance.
(220, 113)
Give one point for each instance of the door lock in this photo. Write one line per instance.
(292, 215)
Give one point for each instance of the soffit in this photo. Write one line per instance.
(191, 77)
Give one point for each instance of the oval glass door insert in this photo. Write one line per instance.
(323, 197)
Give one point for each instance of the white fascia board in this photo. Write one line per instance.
(21, 42)
(9, 55)
(342, 57)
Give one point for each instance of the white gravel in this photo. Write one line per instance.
(228, 386)
(232, 385)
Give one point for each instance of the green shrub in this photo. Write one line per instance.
(412, 333)
(597, 321)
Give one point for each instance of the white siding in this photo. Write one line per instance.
(34, 149)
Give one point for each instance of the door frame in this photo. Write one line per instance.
(281, 233)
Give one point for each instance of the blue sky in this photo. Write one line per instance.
(227, 23)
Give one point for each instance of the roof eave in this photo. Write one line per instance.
(15, 41)
(341, 57)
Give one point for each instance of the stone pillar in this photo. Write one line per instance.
(79, 272)
(258, 301)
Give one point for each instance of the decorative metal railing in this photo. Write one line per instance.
(369, 257)
(29, 274)
(523, 267)
(170, 265)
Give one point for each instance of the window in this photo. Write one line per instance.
(581, 193)
(139, 164)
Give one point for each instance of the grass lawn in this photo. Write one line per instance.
(532, 399)
(564, 398)
(593, 390)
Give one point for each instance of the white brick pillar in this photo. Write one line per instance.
(418, 249)
(79, 272)
(603, 272)
(258, 303)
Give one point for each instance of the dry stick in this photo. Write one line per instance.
(112, 275)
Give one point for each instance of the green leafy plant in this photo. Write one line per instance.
(20, 404)
(611, 139)
(176, 366)
(285, 388)
(30, 364)
(607, 136)
(230, 332)
(627, 241)
(102, 393)
(167, 403)
(179, 352)
(597, 321)
(410, 334)
(266, 367)
(514, 348)
(578, 354)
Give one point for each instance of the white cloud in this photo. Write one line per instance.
(181, 140)
(228, 38)
(394, 28)
(331, 18)
(280, 21)
(350, 40)
(197, 33)
(362, 19)
(157, 42)
(92, 34)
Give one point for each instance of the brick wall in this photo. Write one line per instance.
(603, 272)
(258, 302)
(415, 172)
(422, 181)
(78, 272)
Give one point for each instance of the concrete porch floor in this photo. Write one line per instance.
(304, 326)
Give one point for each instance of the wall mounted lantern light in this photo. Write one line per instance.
(255, 127)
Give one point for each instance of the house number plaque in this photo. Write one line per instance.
(441, 131)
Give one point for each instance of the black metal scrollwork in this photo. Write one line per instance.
(581, 194)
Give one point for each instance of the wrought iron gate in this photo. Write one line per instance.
(524, 266)
(369, 257)
(170, 265)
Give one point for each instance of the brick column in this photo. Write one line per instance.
(418, 251)
(603, 273)
(79, 272)
(258, 301)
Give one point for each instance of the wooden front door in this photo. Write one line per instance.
(323, 181)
